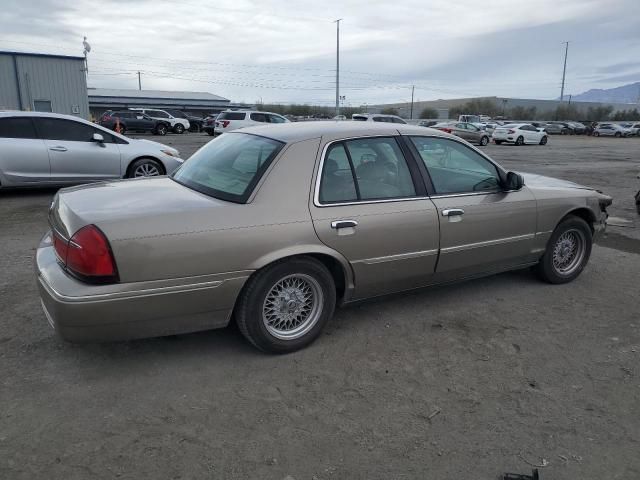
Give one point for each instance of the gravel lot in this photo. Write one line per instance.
(457, 382)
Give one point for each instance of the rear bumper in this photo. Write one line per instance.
(81, 313)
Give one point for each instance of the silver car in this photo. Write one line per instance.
(275, 226)
(611, 130)
(50, 149)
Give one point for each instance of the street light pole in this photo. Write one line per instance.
(139, 82)
(413, 87)
(564, 70)
(337, 22)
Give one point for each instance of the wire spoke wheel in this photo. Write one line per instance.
(146, 170)
(569, 251)
(292, 306)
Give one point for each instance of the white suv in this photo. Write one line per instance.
(233, 119)
(376, 117)
(178, 125)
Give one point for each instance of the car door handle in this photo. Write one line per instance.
(451, 212)
(59, 149)
(344, 224)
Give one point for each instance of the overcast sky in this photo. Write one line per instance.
(284, 50)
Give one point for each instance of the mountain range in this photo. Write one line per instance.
(625, 94)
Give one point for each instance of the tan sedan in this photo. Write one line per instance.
(274, 226)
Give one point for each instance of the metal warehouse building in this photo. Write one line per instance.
(44, 83)
(197, 103)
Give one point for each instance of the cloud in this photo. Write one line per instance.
(284, 50)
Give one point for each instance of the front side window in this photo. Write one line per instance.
(67, 130)
(365, 169)
(157, 114)
(17, 127)
(398, 120)
(230, 166)
(456, 168)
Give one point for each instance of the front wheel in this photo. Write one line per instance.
(596, 134)
(520, 141)
(618, 134)
(567, 253)
(284, 307)
(145, 167)
(543, 140)
(179, 128)
(484, 141)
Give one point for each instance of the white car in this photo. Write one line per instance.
(51, 149)
(611, 130)
(376, 117)
(519, 134)
(234, 119)
(178, 125)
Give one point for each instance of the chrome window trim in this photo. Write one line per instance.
(316, 194)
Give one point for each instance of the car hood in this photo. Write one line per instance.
(540, 181)
(130, 207)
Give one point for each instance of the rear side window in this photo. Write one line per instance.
(276, 119)
(68, 130)
(231, 116)
(365, 169)
(157, 114)
(17, 127)
(359, 118)
(398, 120)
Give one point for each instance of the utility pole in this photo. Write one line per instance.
(337, 22)
(564, 70)
(413, 87)
(139, 82)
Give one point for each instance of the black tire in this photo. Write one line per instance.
(575, 227)
(596, 134)
(145, 164)
(543, 140)
(250, 304)
(179, 128)
(210, 133)
(520, 140)
(498, 142)
(617, 134)
(484, 141)
(161, 130)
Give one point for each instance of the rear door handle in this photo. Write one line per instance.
(452, 212)
(59, 149)
(344, 224)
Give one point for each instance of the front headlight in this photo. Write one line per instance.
(171, 153)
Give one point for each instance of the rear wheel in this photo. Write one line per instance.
(520, 140)
(596, 134)
(543, 140)
(618, 134)
(284, 307)
(484, 140)
(568, 251)
(179, 128)
(161, 129)
(145, 167)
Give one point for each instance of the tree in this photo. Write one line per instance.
(389, 111)
(598, 114)
(622, 115)
(522, 113)
(429, 113)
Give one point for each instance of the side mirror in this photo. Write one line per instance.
(97, 138)
(514, 181)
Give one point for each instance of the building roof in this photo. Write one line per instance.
(30, 54)
(123, 93)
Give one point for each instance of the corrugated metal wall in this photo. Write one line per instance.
(61, 81)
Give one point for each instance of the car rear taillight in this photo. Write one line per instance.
(87, 255)
(225, 123)
(511, 132)
(446, 130)
(106, 118)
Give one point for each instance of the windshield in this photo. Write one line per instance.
(229, 167)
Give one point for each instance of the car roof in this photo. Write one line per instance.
(19, 113)
(300, 131)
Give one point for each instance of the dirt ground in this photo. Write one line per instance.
(458, 382)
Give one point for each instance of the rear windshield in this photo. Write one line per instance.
(229, 167)
(231, 116)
